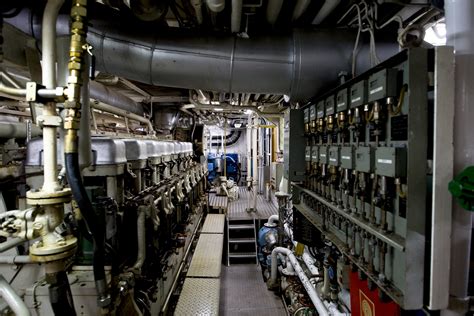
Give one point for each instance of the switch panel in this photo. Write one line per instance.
(312, 112)
(324, 154)
(390, 161)
(334, 156)
(383, 84)
(315, 154)
(330, 105)
(347, 157)
(308, 153)
(358, 94)
(320, 109)
(364, 159)
(306, 115)
(342, 102)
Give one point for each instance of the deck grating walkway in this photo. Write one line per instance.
(238, 209)
(243, 292)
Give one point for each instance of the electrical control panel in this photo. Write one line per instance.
(365, 187)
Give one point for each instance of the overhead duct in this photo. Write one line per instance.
(230, 139)
(298, 64)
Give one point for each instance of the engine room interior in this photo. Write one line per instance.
(236, 157)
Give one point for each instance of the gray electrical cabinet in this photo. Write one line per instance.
(294, 146)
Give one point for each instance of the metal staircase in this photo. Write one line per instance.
(241, 240)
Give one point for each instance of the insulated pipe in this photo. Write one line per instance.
(249, 152)
(10, 243)
(113, 110)
(271, 220)
(459, 26)
(326, 9)
(197, 5)
(300, 8)
(13, 300)
(277, 64)
(48, 43)
(215, 6)
(254, 161)
(273, 10)
(236, 16)
(106, 95)
(16, 259)
(17, 130)
(141, 240)
(307, 258)
(313, 295)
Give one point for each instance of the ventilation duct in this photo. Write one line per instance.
(298, 64)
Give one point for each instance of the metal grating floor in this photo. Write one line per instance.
(216, 201)
(207, 258)
(214, 224)
(243, 292)
(238, 209)
(199, 297)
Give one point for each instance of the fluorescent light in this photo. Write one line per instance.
(237, 125)
(218, 109)
(436, 34)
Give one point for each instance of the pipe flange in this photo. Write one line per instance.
(48, 198)
(52, 252)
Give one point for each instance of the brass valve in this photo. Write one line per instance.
(330, 123)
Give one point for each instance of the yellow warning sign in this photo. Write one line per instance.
(367, 307)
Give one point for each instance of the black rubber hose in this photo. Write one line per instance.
(95, 223)
(60, 295)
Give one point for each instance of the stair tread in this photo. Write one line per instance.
(241, 226)
(242, 240)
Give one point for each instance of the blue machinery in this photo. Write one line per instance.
(216, 165)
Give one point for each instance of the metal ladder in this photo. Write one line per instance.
(241, 239)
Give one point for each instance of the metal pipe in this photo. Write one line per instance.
(271, 220)
(307, 258)
(106, 95)
(15, 259)
(48, 43)
(17, 130)
(12, 91)
(254, 161)
(313, 295)
(236, 16)
(197, 4)
(110, 109)
(11, 243)
(326, 9)
(300, 8)
(13, 300)
(459, 26)
(273, 11)
(141, 239)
